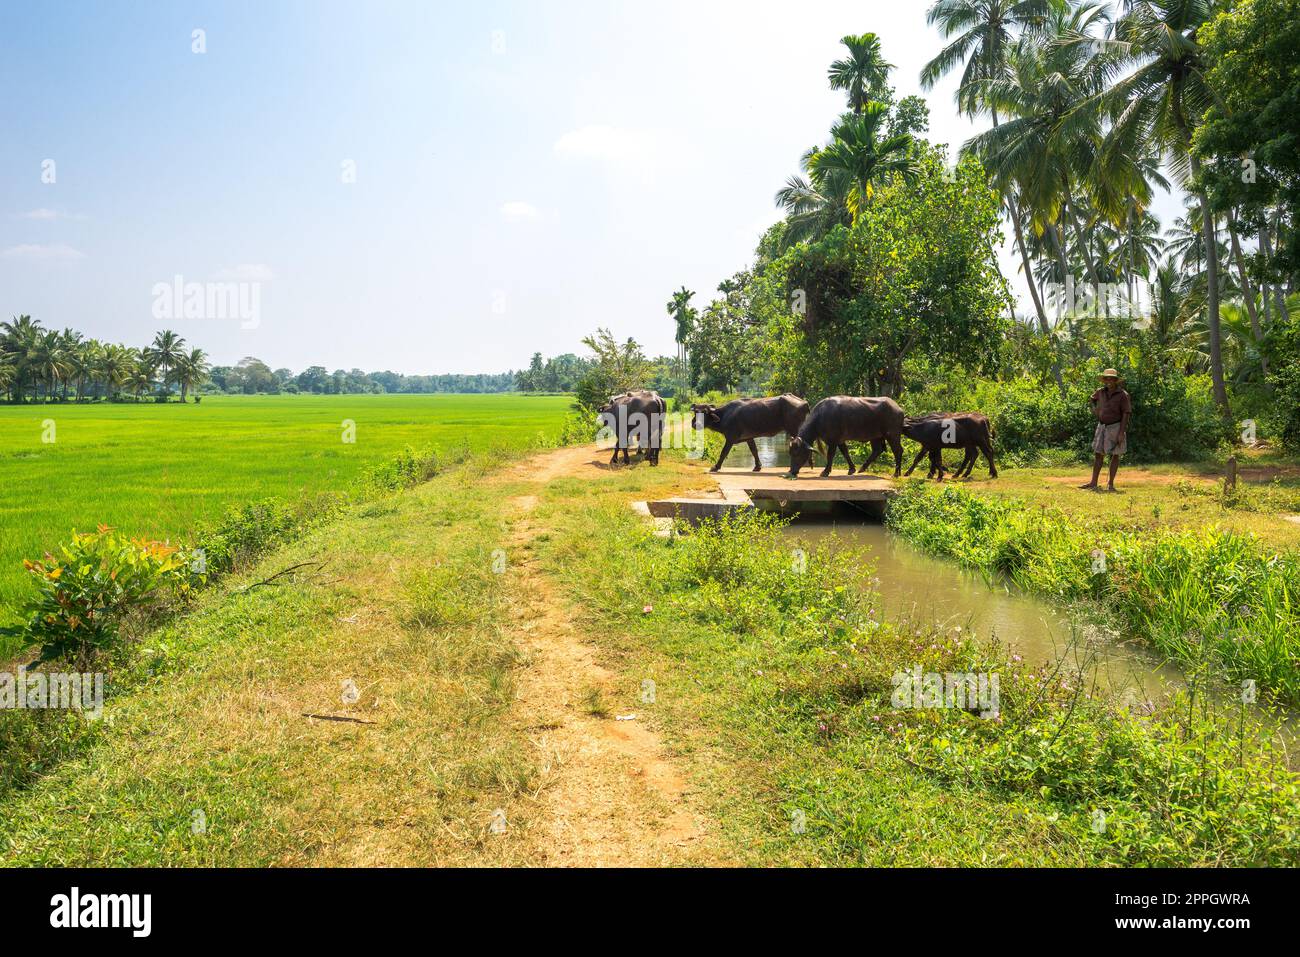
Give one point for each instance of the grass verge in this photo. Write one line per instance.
(1204, 598)
(779, 686)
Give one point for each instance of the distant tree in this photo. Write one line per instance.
(165, 351)
(192, 370)
(615, 367)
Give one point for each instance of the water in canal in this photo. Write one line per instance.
(920, 589)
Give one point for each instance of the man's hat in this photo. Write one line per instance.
(1108, 374)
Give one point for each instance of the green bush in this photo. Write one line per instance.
(1202, 598)
(86, 589)
(408, 467)
(741, 573)
(248, 530)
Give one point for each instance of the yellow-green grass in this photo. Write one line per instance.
(1173, 497)
(158, 470)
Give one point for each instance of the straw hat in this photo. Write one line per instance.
(1108, 374)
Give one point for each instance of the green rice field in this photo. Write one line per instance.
(157, 470)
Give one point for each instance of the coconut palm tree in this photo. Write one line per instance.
(166, 350)
(192, 370)
(8, 374)
(813, 205)
(863, 156)
(47, 361)
(980, 35)
(863, 74)
(116, 367)
(17, 338)
(679, 307)
(1157, 107)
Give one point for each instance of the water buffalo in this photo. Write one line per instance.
(952, 430)
(840, 419)
(635, 415)
(745, 420)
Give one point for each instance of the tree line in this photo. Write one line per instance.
(45, 365)
(882, 277)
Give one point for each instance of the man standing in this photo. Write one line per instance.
(1113, 408)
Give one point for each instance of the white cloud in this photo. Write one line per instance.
(48, 215)
(610, 143)
(41, 252)
(246, 272)
(517, 210)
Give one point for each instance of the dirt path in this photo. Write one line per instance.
(610, 794)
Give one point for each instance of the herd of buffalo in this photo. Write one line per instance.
(828, 427)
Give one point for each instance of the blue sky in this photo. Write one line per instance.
(524, 172)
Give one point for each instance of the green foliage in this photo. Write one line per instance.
(87, 588)
(739, 573)
(615, 367)
(1174, 416)
(1207, 598)
(1283, 414)
(1255, 77)
(914, 276)
(408, 467)
(808, 704)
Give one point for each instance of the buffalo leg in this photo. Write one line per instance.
(753, 450)
(937, 468)
(987, 447)
(917, 461)
(726, 449)
(844, 449)
(877, 446)
(967, 458)
(896, 443)
(830, 459)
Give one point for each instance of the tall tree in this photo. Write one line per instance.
(679, 307)
(1159, 106)
(863, 75)
(861, 150)
(165, 351)
(980, 35)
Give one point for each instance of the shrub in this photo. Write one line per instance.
(92, 583)
(409, 467)
(249, 529)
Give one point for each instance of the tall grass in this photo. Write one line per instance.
(1203, 598)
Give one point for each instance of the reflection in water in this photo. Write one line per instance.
(917, 588)
(773, 452)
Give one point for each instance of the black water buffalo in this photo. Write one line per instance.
(745, 420)
(840, 419)
(952, 430)
(635, 415)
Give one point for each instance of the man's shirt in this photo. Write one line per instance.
(1111, 407)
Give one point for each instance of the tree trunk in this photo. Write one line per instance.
(1247, 291)
(1279, 300)
(1033, 291)
(1212, 296)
